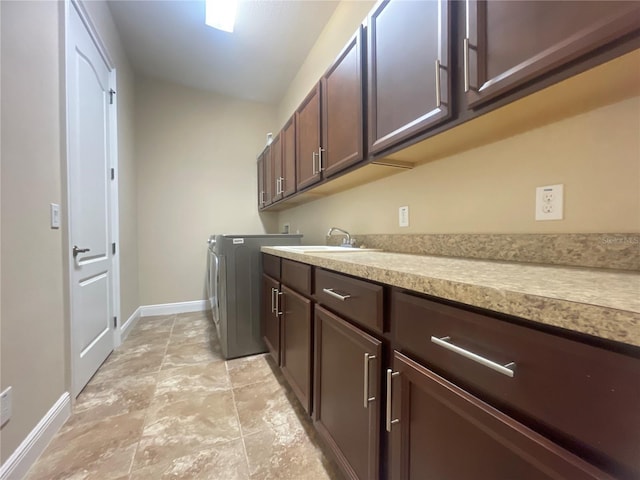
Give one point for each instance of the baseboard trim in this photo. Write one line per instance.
(20, 461)
(125, 330)
(173, 308)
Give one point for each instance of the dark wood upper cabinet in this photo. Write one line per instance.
(509, 43)
(268, 177)
(409, 67)
(308, 140)
(288, 139)
(440, 431)
(342, 109)
(276, 169)
(261, 181)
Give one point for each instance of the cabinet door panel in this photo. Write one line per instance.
(446, 434)
(289, 157)
(513, 42)
(296, 344)
(270, 321)
(405, 41)
(342, 109)
(261, 182)
(276, 168)
(308, 140)
(350, 429)
(268, 177)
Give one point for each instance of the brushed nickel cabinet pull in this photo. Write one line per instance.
(273, 301)
(366, 397)
(390, 422)
(507, 369)
(465, 52)
(438, 92)
(278, 305)
(320, 167)
(331, 292)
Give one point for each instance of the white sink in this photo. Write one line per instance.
(324, 249)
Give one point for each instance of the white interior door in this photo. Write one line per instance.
(89, 216)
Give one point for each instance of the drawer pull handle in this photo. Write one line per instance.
(330, 291)
(390, 422)
(278, 311)
(366, 396)
(507, 369)
(273, 301)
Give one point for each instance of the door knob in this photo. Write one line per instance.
(77, 250)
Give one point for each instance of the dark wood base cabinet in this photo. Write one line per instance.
(440, 432)
(347, 406)
(270, 318)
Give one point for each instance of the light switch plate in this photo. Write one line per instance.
(55, 215)
(403, 216)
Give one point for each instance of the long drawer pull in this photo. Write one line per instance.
(278, 311)
(507, 369)
(366, 397)
(330, 291)
(273, 301)
(390, 422)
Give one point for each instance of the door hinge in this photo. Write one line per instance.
(112, 92)
(113, 248)
(115, 322)
(113, 173)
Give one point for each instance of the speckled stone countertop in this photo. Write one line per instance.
(603, 303)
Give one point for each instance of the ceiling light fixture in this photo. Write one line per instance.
(220, 14)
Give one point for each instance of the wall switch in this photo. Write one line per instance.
(549, 202)
(403, 216)
(285, 228)
(55, 215)
(5, 406)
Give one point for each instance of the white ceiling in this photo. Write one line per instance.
(258, 61)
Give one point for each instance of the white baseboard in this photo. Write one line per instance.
(20, 461)
(130, 323)
(173, 308)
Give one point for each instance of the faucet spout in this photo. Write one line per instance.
(347, 239)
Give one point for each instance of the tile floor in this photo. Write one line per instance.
(166, 405)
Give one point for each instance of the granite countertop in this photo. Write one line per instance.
(599, 302)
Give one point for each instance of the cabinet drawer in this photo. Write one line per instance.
(297, 276)
(584, 396)
(271, 265)
(357, 300)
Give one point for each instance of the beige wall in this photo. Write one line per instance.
(491, 189)
(344, 22)
(33, 325)
(127, 181)
(196, 156)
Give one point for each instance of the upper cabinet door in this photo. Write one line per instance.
(276, 169)
(409, 70)
(288, 139)
(308, 140)
(342, 109)
(268, 177)
(261, 182)
(510, 43)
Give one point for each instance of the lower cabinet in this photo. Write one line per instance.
(270, 317)
(442, 432)
(347, 403)
(295, 344)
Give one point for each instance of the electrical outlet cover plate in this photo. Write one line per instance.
(549, 202)
(403, 216)
(5, 406)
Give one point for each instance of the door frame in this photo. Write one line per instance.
(114, 215)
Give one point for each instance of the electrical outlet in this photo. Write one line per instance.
(549, 202)
(403, 216)
(5, 406)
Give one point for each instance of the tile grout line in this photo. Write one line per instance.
(235, 408)
(146, 410)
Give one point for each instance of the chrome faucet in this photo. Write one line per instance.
(347, 240)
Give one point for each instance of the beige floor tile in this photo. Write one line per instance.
(159, 323)
(261, 406)
(110, 398)
(226, 461)
(200, 379)
(194, 316)
(189, 354)
(93, 451)
(285, 452)
(248, 370)
(134, 361)
(185, 426)
(193, 333)
(147, 338)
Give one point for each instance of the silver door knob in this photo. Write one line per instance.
(77, 250)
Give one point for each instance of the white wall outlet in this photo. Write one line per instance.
(5, 406)
(55, 215)
(403, 216)
(549, 202)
